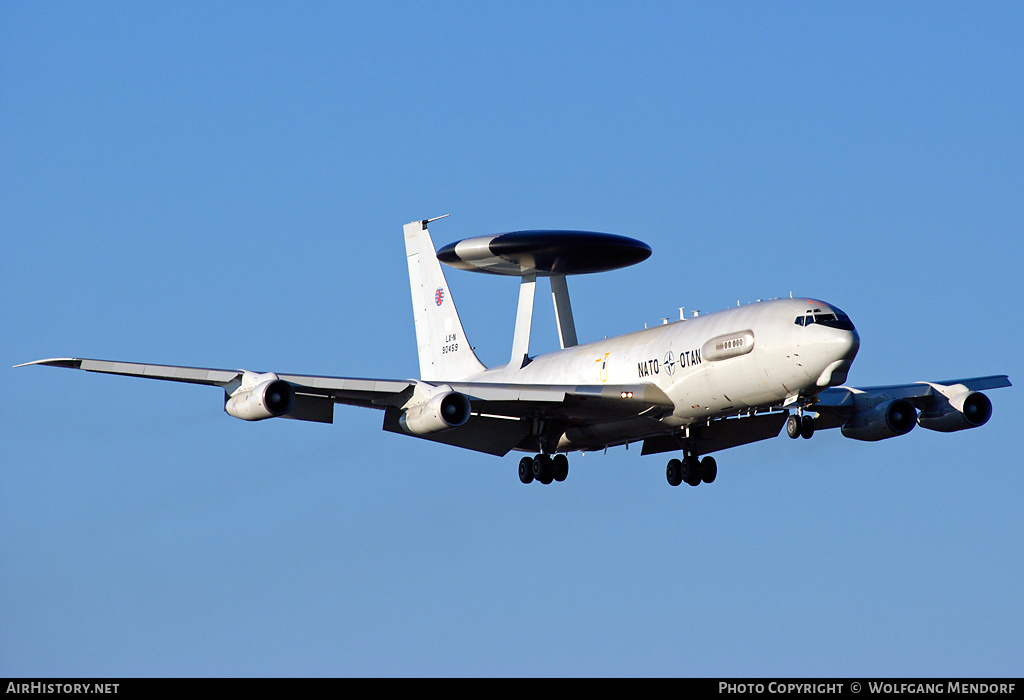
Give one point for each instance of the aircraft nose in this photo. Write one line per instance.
(841, 347)
(843, 344)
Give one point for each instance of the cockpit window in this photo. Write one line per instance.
(832, 320)
(839, 320)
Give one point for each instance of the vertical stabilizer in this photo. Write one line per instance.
(444, 351)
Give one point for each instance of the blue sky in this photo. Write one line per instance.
(224, 186)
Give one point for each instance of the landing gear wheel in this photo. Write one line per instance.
(793, 426)
(674, 472)
(560, 467)
(708, 469)
(691, 471)
(542, 469)
(526, 470)
(806, 427)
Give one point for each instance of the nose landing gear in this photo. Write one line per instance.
(799, 426)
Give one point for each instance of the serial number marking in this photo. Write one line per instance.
(450, 343)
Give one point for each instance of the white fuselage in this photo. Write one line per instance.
(715, 364)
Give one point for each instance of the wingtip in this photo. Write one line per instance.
(69, 362)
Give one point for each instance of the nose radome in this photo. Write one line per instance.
(841, 347)
(842, 344)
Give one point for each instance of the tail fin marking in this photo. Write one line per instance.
(444, 351)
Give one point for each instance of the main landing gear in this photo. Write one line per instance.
(691, 470)
(799, 426)
(543, 468)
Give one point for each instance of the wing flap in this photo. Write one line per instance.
(352, 391)
(317, 409)
(720, 434)
(494, 436)
(341, 385)
(571, 402)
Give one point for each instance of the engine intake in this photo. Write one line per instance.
(269, 399)
(888, 419)
(970, 409)
(442, 411)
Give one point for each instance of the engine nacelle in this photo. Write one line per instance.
(886, 420)
(270, 398)
(442, 411)
(969, 409)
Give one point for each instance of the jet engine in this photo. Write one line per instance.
(888, 419)
(440, 411)
(269, 398)
(969, 409)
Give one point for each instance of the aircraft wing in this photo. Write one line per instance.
(192, 375)
(501, 413)
(839, 403)
(508, 400)
(508, 416)
(315, 395)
